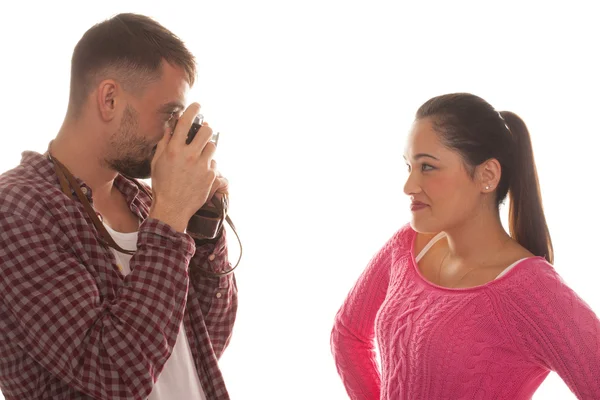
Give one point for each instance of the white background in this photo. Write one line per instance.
(313, 100)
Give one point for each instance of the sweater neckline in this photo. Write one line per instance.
(422, 278)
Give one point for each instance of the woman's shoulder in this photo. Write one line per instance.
(535, 281)
(410, 240)
(546, 316)
(402, 241)
(536, 269)
(404, 236)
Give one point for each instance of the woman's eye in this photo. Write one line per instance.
(426, 167)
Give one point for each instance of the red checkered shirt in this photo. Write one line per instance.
(71, 326)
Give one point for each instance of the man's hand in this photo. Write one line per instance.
(219, 188)
(182, 175)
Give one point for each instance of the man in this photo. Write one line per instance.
(82, 316)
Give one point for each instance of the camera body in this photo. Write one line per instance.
(207, 222)
(196, 125)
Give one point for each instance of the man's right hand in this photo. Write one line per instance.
(182, 175)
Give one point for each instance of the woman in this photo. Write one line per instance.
(462, 309)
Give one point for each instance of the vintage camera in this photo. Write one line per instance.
(196, 125)
(208, 221)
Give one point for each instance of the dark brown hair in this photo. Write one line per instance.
(128, 48)
(472, 127)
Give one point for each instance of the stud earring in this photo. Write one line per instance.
(487, 188)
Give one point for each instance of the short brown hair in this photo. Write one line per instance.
(128, 48)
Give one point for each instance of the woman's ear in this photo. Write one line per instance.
(488, 175)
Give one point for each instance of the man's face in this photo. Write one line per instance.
(145, 120)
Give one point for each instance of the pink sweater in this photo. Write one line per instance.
(495, 341)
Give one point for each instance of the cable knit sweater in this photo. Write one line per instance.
(495, 341)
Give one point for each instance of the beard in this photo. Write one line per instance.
(131, 154)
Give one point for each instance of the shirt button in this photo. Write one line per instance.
(211, 257)
(219, 295)
(84, 190)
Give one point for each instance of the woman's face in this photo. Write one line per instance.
(442, 191)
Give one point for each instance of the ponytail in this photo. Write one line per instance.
(527, 222)
(470, 126)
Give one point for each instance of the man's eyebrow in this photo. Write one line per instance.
(171, 106)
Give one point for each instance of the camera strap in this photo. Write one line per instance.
(67, 179)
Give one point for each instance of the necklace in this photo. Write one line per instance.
(440, 272)
(470, 270)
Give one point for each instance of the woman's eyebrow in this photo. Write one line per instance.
(423, 155)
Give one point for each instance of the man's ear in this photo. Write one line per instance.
(108, 99)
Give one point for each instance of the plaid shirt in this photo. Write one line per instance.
(71, 326)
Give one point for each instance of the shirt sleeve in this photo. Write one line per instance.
(217, 297)
(107, 347)
(557, 330)
(352, 337)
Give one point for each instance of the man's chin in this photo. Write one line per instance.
(136, 171)
(136, 174)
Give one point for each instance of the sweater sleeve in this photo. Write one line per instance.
(352, 337)
(557, 330)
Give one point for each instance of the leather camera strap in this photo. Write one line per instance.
(66, 179)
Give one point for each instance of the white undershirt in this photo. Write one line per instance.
(442, 235)
(179, 379)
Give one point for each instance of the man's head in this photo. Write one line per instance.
(130, 77)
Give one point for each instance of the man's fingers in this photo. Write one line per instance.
(202, 138)
(223, 185)
(160, 147)
(208, 153)
(219, 187)
(184, 123)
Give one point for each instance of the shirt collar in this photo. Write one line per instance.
(45, 168)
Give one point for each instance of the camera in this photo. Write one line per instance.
(198, 120)
(208, 221)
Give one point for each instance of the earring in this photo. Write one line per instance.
(487, 188)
